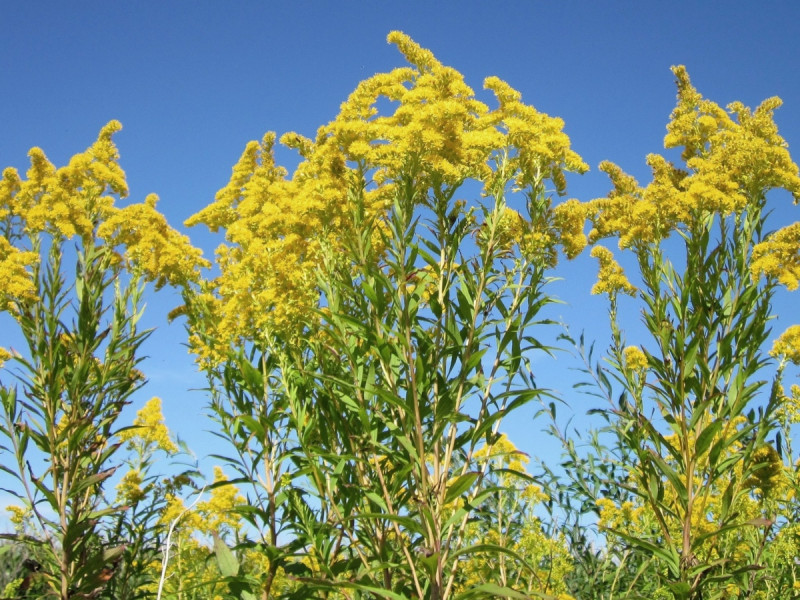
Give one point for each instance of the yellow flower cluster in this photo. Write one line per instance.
(129, 489)
(770, 471)
(218, 511)
(5, 355)
(149, 429)
(71, 200)
(504, 454)
(635, 359)
(787, 345)
(785, 548)
(175, 509)
(622, 212)
(778, 257)
(550, 554)
(611, 278)
(764, 475)
(568, 219)
(19, 515)
(78, 200)
(629, 518)
(274, 227)
(209, 516)
(732, 159)
(18, 285)
(420, 126)
(424, 282)
(510, 229)
(541, 148)
(152, 247)
(788, 412)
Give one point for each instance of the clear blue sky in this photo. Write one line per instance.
(192, 82)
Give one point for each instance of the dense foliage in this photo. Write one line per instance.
(364, 335)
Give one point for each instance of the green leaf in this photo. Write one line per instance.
(228, 565)
(706, 437)
(252, 377)
(496, 591)
(665, 553)
(380, 592)
(680, 589)
(461, 484)
(671, 474)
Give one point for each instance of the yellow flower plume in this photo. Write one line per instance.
(152, 247)
(732, 159)
(18, 285)
(149, 428)
(611, 279)
(432, 134)
(778, 257)
(635, 359)
(788, 345)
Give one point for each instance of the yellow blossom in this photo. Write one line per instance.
(778, 257)
(569, 221)
(18, 285)
(791, 405)
(18, 516)
(208, 516)
(611, 279)
(542, 149)
(627, 517)
(635, 359)
(743, 153)
(5, 355)
(534, 494)
(175, 510)
(504, 453)
(152, 247)
(71, 200)
(9, 188)
(78, 200)
(432, 134)
(732, 159)
(129, 489)
(768, 471)
(509, 229)
(218, 511)
(538, 245)
(633, 213)
(788, 345)
(149, 428)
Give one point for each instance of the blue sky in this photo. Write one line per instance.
(193, 82)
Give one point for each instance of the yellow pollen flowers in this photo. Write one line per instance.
(18, 285)
(152, 247)
(611, 279)
(778, 257)
(732, 159)
(788, 345)
(149, 428)
(635, 359)
(5, 355)
(419, 128)
(77, 200)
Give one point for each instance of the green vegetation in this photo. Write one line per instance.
(365, 336)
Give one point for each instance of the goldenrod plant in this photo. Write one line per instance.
(370, 327)
(74, 267)
(373, 319)
(540, 560)
(145, 492)
(697, 420)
